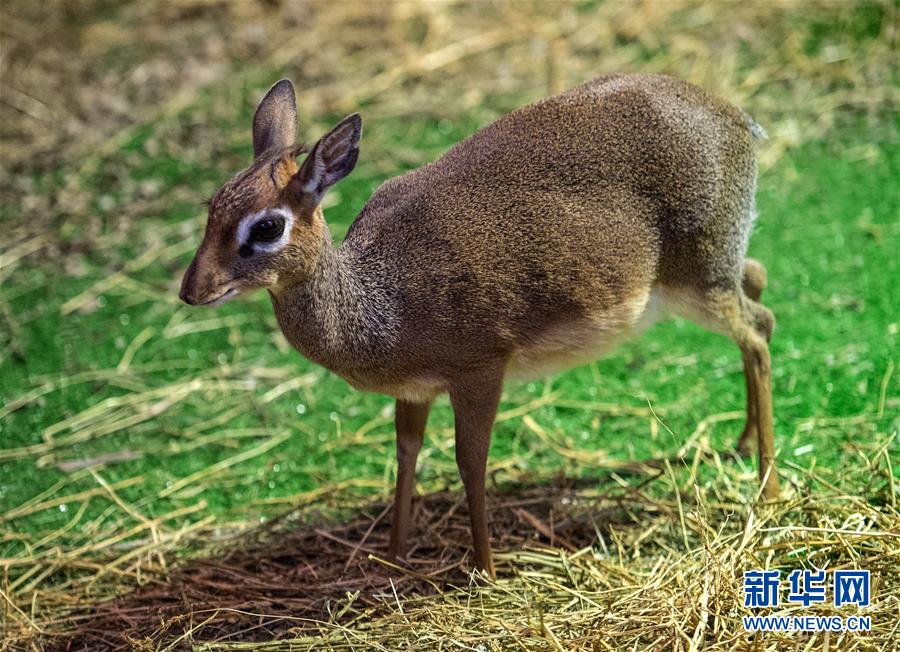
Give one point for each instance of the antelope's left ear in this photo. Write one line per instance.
(275, 120)
(331, 159)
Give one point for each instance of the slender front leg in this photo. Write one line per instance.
(410, 421)
(475, 406)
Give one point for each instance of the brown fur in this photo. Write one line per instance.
(540, 241)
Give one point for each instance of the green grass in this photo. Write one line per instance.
(828, 233)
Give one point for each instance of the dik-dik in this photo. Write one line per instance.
(536, 244)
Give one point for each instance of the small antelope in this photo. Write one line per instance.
(536, 244)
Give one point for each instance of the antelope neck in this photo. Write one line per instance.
(344, 315)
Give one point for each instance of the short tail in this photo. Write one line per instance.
(758, 132)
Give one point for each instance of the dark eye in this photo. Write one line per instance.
(267, 230)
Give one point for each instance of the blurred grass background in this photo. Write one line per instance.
(129, 418)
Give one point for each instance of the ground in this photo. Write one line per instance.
(140, 435)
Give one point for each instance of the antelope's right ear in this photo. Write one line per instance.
(275, 120)
(332, 158)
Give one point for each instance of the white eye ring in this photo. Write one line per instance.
(245, 228)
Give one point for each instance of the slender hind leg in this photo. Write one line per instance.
(749, 435)
(755, 279)
(755, 349)
(754, 282)
(750, 325)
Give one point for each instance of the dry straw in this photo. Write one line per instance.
(646, 566)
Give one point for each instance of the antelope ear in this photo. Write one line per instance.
(332, 158)
(275, 120)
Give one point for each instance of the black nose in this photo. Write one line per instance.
(184, 297)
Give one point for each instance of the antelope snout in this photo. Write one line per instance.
(188, 284)
(204, 287)
(185, 294)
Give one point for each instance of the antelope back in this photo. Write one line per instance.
(556, 222)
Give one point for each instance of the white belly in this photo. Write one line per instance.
(559, 348)
(570, 345)
(414, 389)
